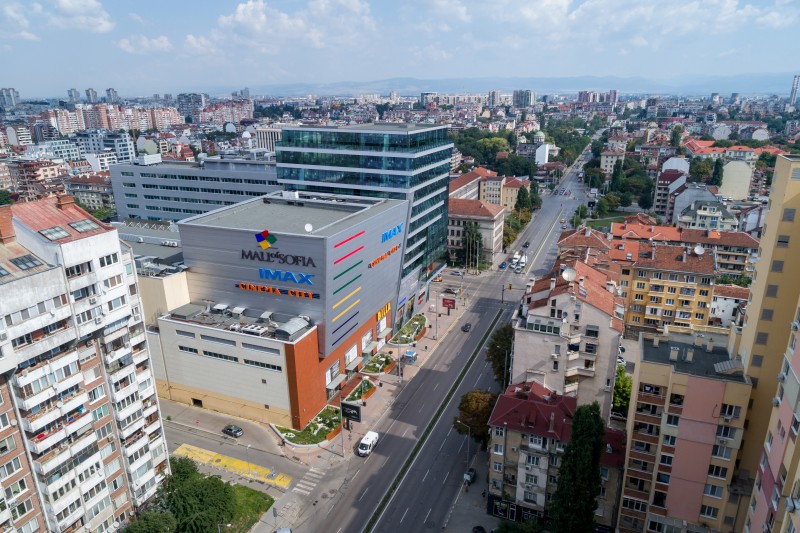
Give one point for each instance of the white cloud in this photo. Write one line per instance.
(137, 18)
(14, 22)
(199, 45)
(453, 8)
(778, 20)
(86, 15)
(139, 44)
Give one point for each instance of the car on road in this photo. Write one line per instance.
(466, 327)
(437, 278)
(470, 475)
(458, 273)
(448, 290)
(527, 243)
(367, 444)
(503, 265)
(478, 529)
(233, 431)
(563, 220)
(518, 270)
(563, 226)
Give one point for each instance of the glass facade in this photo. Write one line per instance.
(378, 160)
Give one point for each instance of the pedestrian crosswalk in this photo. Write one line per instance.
(308, 481)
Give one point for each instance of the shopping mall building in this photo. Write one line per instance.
(278, 303)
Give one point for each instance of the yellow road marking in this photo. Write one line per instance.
(237, 466)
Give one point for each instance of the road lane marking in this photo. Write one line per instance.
(404, 433)
(420, 409)
(363, 494)
(404, 515)
(427, 515)
(354, 475)
(367, 459)
(459, 448)
(426, 475)
(434, 387)
(448, 431)
(445, 478)
(478, 379)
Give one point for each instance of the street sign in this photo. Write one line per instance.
(351, 411)
(448, 303)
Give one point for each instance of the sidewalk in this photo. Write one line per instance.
(469, 509)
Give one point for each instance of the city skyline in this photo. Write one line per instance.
(259, 43)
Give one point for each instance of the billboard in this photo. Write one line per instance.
(351, 411)
(448, 303)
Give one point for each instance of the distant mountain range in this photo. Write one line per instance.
(745, 84)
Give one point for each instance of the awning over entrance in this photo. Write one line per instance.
(384, 333)
(354, 364)
(335, 382)
(370, 348)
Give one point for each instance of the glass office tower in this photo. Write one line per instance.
(398, 161)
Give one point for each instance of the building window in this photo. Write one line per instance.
(25, 262)
(766, 314)
(777, 266)
(109, 260)
(672, 420)
(772, 291)
(497, 449)
(758, 360)
(669, 440)
(532, 460)
(788, 215)
(497, 467)
(721, 452)
(730, 411)
(783, 241)
(708, 511)
(717, 471)
(762, 337)
(715, 491)
(666, 460)
(187, 349)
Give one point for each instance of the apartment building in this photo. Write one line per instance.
(91, 190)
(765, 335)
(567, 336)
(488, 217)
(83, 446)
(279, 302)
(684, 196)
(668, 285)
(152, 189)
(502, 190)
(27, 174)
(734, 251)
(468, 185)
(266, 138)
(100, 141)
(608, 159)
(530, 427)
(667, 182)
(685, 425)
(775, 502)
(709, 216)
(728, 304)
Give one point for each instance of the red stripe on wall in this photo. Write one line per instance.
(359, 234)
(348, 255)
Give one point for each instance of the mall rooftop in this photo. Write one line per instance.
(296, 212)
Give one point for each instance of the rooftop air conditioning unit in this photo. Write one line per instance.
(555, 356)
(527, 467)
(93, 300)
(98, 320)
(528, 486)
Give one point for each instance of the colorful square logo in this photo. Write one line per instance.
(265, 240)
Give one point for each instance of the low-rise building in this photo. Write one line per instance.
(489, 219)
(608, 159)
(530, 427)
(685, 423)
(91, 190)
(708, 215)
(728, 304)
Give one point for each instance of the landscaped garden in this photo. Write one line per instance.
(377, 364)
(409, 331)
(363, 388)
(317, 430)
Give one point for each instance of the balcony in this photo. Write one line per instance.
(136, 442)
(43, 368)
(132, 428)
(78, 421)
(139, 356)
(36, 421)
(28, 403)
(55, 458)
(46, 343)
(580, 371)
(137, 337)
(117, 354)
(124, 392)
(155, 425)
(143, 375)
(46, 440)
(570, 388)
(127, 411)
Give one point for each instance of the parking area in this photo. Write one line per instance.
(236, 466)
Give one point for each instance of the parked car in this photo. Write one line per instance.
(233, 431)
(450, 291)
(563, 226)
(621, 361)
(503, 265)
(478, 529)
(458, 273)
(527, 243)
(466, 327)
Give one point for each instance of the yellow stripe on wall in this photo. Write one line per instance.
(352, 305)
(340, 302)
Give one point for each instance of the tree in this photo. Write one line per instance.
(616, 176)
(200, 503)
(716, 176)
(153, 523)
(500, 346)
(474, 411)
(613, 201)
(675, 137)
(472, 244)
(5, 197)
(700, 169)
(575, 499)
(622, 390)
(646, 198)
(523, 200)
(531, 526)
(625, 199)
(602, 207)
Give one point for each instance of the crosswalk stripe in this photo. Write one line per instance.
(301, 491)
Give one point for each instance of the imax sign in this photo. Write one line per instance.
(280, 275)
(397, 230)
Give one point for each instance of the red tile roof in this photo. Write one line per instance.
(516, 183)
(463, 180)
(669, 176)
(584, 238)
(674, 258)
(473, 208)
(731, 291)
(44, 214)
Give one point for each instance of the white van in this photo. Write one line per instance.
(367, 444)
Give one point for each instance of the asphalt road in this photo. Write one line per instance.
(425, 497)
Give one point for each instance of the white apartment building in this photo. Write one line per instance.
(82, 446)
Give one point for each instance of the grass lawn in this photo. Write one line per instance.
(316, 430)
(377, 363)
(408, 332)
(250, 504)
(603, 222)
(365, 386)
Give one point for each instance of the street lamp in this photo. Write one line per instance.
(469, 437)
(249, 464)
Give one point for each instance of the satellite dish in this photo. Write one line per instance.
(309, 228)
(569, 274)
(699, 250)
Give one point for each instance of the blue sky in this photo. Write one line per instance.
(144, 46)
